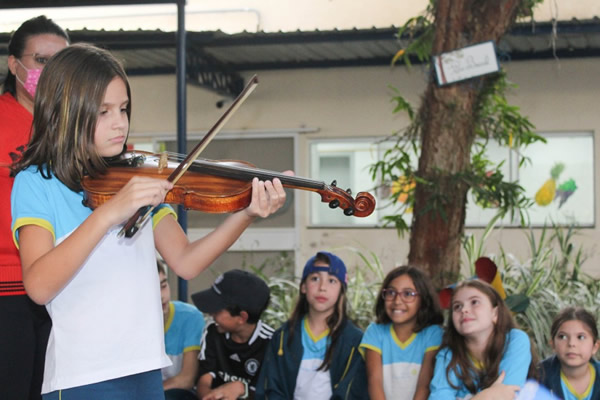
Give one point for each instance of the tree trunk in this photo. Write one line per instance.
(448, 116)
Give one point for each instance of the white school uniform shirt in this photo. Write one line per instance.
(107, 321)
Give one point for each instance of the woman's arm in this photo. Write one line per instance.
(189, 259)
(374, 374)
(425, 375)
(47, 269)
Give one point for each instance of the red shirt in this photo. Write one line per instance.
(15, 128)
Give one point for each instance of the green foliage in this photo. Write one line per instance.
(495, 120)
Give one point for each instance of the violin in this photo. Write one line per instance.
(213, 186)
(209, 186)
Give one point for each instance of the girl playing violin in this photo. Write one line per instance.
(100, 289)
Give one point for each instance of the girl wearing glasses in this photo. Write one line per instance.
(25, 325)
(314, 355)
(400, 346)
(483, 355)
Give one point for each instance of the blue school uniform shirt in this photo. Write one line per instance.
(401, 360)
(107, 320)
(571, 394)
(515, 363)
(183, 333)
(310, 383)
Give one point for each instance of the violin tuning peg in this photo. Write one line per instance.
(349, 212)
(334, 183)
(334, 203)
(349, 191)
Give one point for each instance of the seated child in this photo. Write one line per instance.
(573, 373)
(483, 354)
(234, 344)
(314, 355)
(183, 331)
(400, 347)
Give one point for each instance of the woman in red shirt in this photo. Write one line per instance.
(24, 326)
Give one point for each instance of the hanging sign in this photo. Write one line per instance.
(468, 62)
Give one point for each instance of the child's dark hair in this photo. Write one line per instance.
(429, 312)
(161, 266)
(335, 321)
(475, 379)
(69, 95)
(574, 314)
(253, 317)
(18, 41)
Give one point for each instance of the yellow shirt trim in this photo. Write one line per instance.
(587, 392)
(400, 343)
(21, 222)
(169, 321)
(364, 346)
(156, 218)
(311, 335)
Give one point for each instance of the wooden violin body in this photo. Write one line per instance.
(213, 186)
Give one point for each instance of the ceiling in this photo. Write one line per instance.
(216, 60)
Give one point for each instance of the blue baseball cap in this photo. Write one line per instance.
(336, 266)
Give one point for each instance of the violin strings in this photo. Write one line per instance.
(250, 172)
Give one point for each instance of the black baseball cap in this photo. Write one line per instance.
(234, 288)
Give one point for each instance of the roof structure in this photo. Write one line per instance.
(216, 59)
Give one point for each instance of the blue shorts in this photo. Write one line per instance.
(144, 386)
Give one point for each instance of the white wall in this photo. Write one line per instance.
(355, 102)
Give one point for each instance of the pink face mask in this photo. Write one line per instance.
(31, 81)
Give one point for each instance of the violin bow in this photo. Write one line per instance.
(133, 224)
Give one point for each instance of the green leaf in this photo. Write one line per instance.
(517, 302)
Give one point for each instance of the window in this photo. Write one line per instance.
(567, 198)
(347, 162)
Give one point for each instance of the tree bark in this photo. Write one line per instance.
(448, 118)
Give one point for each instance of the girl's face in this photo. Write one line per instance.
(402, 301)
(322, 291)
(473, 315)
(574, 344)
(113, 124)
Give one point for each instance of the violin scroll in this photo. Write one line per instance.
(362, 206)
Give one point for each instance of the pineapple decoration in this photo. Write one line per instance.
(547, 192)
(402, 188)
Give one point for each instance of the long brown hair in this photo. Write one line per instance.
(335, 321)
(67, 103)
(429, 312)
(475, 379)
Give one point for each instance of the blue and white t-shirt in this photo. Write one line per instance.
(310, 383)
(183, 333)
(107, 321)
(515, 363)
(401, 360)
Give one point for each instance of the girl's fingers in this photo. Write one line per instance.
(267, 197)
(137, 193)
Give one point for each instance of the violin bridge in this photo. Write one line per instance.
(163, 162)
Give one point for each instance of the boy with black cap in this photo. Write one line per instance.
(234, 344)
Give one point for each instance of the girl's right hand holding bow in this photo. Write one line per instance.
(137, 193)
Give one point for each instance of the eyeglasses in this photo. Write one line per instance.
(38, 58)
(407, 295)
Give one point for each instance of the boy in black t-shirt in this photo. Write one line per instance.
(234, 344)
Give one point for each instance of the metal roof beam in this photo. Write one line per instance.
(205, 71)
